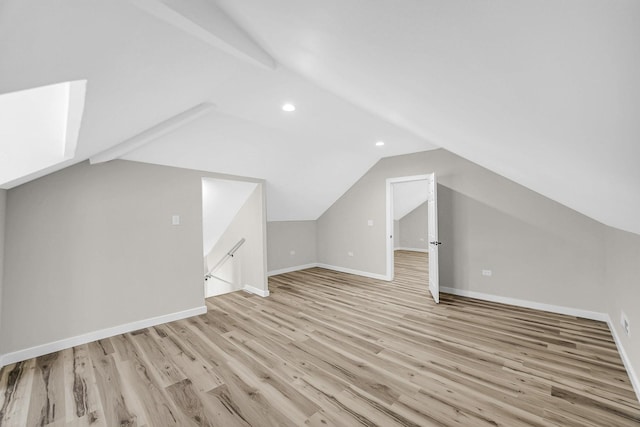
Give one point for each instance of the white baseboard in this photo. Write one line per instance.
(65, 343)
(356, 272)
(412, 249)
(257, 291)
(633, 377)
(291, 269)
(593, 315)
(328, 267)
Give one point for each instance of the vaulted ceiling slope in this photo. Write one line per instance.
(544, 93)
(147, 62)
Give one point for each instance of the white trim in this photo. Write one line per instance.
(211, 24)
(412, 249)
(152, 133)
(389, 255)
(388, 276)
(633, 377)
(356, 272)
(257, 291)
(593, 315)
(291, 269)
(65, 343)
(408, 178)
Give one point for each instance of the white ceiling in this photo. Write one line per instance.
(309, 158)
(544, 93)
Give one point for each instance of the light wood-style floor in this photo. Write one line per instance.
(331, 349)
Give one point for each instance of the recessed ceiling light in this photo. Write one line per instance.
(380, 143)
(288, 107)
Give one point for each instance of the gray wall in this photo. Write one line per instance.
(92, 247)
(3, 207)
(286, 236)
(623, 289)
(248, 224)
(539, 250)
(413, 229)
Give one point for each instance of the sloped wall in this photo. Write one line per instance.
(539, 250)
(248, 224)
(222, 199)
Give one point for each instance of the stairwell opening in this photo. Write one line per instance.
(234, 237)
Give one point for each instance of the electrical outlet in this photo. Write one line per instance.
(370, 223)
(487, 272)
(624, 322)
(350, 253)
(292, 253)
(175, 220)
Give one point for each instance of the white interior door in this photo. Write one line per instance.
(432, 209)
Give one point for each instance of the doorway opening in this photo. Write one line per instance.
(234, 230)
(412, 227)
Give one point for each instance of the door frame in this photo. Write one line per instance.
(389, 236)
(433, 238)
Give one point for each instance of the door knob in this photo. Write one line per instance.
(436, 243)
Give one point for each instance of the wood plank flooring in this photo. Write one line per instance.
(331, 349)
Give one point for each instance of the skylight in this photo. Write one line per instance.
(38, 129)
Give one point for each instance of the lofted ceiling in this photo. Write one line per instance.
(544, 93)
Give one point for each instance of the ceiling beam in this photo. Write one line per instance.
(152, 133)
(208, 22)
